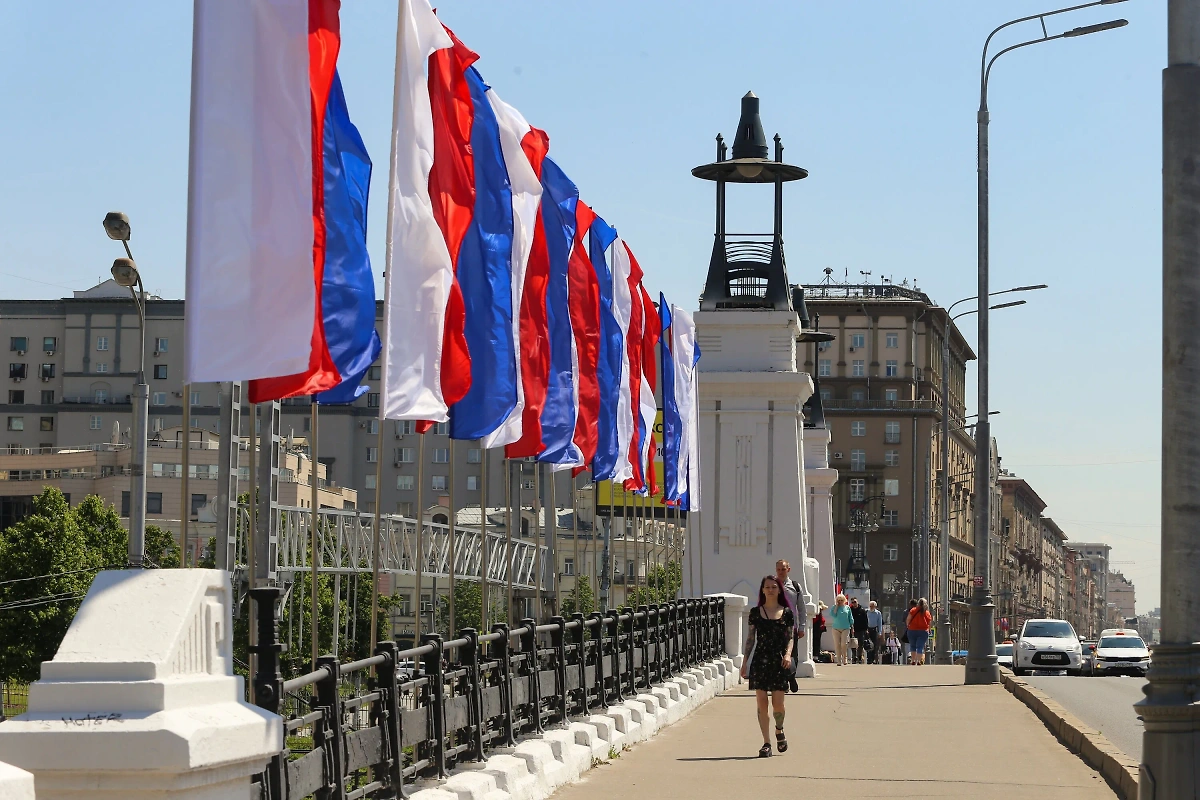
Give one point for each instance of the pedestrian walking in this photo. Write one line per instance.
(818, 629)
(791, 593)
(860, 630)
(769, 648)
(918, 623)
(893, 646)
(908, 656)
(840, 621)
(874, 628)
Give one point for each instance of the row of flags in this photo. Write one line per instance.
(513, 310)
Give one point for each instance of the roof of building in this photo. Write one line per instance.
(1011, 483)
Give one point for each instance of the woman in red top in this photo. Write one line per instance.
(918, 623)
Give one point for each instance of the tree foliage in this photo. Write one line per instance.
(468, 605)
(662, 585)
(47, 562)
(580, 599)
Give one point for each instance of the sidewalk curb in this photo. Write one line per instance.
(1118, 769)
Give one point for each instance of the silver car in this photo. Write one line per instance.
(1004, 654)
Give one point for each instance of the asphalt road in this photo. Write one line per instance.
(1104, 703)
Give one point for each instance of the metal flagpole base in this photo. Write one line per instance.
(1171, 714)
(981, 656)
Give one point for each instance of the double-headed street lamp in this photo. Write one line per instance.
(981, 658)
(125, 273)
(943, 624)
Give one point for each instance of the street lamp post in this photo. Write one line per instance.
(944, 650)
(981, 658)
(125, 273)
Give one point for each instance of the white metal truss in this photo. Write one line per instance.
(346, 545)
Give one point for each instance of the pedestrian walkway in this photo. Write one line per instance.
(874, 731)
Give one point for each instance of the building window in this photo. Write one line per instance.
(891, 432)
(101, 342)
(100, 396)
(374, 373)
(194, 398)
(891, 552)
(858, 460)
(891, 518)
(159, 399)
(405, 455)
(858, 340)
(858, 489)
(891, 395)
(46, 371)
(160, 344)
(101, 367)
(199, 501)
(891, 369)
(372, 399)
(160, 372)
(858, 394)
(153, 502)
(893, 341)
(527, 485)
(858, 428)
(823, 346)
(94, 422)
(441, 455)
(568, 566)
(891, 458)
(16, 397)
(47, 397)
(16, 423)
(49, 345)
(472, 483)
(17, 372)
(824, 368)
(369, 482)
(18, 343)
(306, 425)
(372, 455)
(404, 427)
(373, 427)
(405, 482)
(439, 483)
(124, 504)
(858, 368)
(46, 424)
(474, 455)
(441, 428)
(826, 394)
(891, 487)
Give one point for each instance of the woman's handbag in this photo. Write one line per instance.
(853, 642)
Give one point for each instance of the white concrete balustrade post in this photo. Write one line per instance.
(15, 784)
(736, 609)
(141, 701)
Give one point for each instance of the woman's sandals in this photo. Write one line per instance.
(780, 740)
(764, 751)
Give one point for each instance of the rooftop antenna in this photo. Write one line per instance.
(866, 275)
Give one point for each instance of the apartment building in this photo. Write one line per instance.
(881, 389)
(1019, 583)
(1053, 572)
(1121, 595)
(1098, 556)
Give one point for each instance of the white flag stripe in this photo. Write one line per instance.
(419, 272)
(526, 196)
(618, 259)
(683, 331)
(251, 294)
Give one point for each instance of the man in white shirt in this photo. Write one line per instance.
(792, 592)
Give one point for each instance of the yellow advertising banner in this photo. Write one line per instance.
(606, 494)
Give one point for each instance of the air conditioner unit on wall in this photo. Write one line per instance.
(20, 352)
(837, 455)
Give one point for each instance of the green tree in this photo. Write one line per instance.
(468, 603)
(662, 585)
(580, 599)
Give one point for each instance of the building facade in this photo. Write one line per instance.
(1020, 579)
(881, 389)
(1053, 572)
(1121, 596)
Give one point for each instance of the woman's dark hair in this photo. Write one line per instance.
(762, 597)
(912, 603)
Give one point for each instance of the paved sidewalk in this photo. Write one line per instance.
(874, 731)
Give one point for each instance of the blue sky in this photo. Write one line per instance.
(876, 99)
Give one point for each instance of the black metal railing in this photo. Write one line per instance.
(366, 728)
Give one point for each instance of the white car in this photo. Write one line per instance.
(1121, 651)
(1004, 654)
(1049, 644)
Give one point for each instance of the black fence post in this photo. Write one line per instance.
(617, 668)
(387, 718)
(630, 667)
(469, 657)
(580, 639)
(559, 640)
(723, 649)
(601, 689)
(437, 694)
(529, 647)
(327, 732)
(645, 647)
(268, 680)
(503, 655)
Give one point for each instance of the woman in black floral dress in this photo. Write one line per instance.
(769, 658)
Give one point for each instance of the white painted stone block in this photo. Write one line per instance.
(15, 783)
(142, 696)
(470, 785)
(549, 772)
(586, 734)
(512, 775)
(433, 794)
(605, 727)
(655, 706)
(575, 758)
(647, 719)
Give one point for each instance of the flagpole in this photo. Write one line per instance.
(314, 528)
(626, 532)
(552, 541)
(251, 565)
(700, 541)
(483, 542)
(378, 546)
(537, 541)
(450, 529)
(419, 535)
(577, 567)
(185, 487)
(508, 528)
(611, 572)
